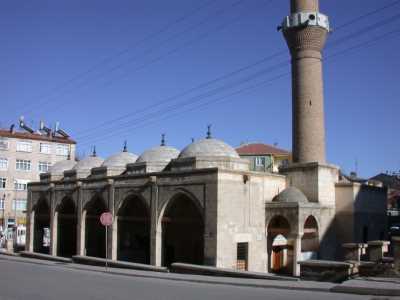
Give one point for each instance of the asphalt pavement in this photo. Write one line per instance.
(31, 279)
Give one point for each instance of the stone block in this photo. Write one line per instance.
(352, 251)
(377, 249)
(328, 271)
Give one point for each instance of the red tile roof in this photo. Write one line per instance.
(35, 136)
(260, 149)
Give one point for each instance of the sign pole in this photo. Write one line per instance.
(106, 248)
(106, 219)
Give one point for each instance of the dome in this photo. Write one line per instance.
(120, 160)
(159, 154)
(88, 163)
(61, 166)
(291, 194)
(209, 147)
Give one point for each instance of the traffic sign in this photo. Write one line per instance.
(106, 219)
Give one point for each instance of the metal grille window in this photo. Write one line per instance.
(44, 166)
(62, 149)
(24, 146)
(23, 165)
(19, 205)
(242, 256)
(21, 185)
(3, 182)
(3, 163)
(45, 148)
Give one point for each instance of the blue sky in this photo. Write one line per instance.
(102, 68)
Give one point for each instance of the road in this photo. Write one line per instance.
(32, 280)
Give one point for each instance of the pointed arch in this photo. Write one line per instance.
(133, 230)
(182, 226)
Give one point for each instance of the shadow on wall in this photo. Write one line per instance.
(361, 216)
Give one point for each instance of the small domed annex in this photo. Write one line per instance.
(89, 162)
(209, 147)
(61, 166)
(159, 154)
(120, 160)
(291, 194)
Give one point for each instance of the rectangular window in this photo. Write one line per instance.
(260, 161)
(62, 149)
(44, 166)
(3, 164)
(19, 205)
(24, 146)
(45, 148)
(1, 204)
(242, 256)
(23, 165)
(4, 144)
(21, 185)
(3, 182)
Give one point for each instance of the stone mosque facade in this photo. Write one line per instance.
(202, 205)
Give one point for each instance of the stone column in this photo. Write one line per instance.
(80, 222)
(53, 221)
(306, 42)
(30, 224)
(396, 252)
(155, 228)
(113, 230)
(352, 251)
(294, 254)
(376, 249)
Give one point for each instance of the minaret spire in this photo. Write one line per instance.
(305, 31)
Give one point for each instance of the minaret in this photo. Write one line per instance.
(305, 31)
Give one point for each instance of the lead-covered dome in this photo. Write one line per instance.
(291, 194)
(120, 160)
(61, 166)
(208, 147)
(159, 154)
(88, 163)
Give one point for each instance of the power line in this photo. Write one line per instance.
(196, 98)
(213, 101)
(152, 49)
(368, 14)
(191, 13)
(126, 50)
(229, 74)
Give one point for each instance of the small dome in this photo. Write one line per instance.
(88, 163)
(61, 166)
(159, 154)
(291, 194)
(120, 160)
(208, 147)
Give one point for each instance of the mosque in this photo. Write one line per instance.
(202, 205)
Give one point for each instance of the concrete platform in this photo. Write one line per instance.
(45, 257)
(96, 261)
(212, 271)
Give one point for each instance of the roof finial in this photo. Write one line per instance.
(192, 139)
(209, 131)
(163, 139)
(125, 146)
(94, 154)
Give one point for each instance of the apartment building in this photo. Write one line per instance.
(24, 155)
